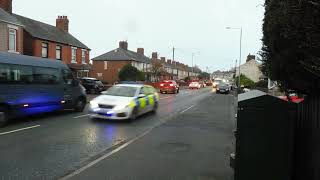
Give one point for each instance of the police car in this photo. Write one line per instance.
(124, 101)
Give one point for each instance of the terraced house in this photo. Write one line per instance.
(19, 34)
(107, 66)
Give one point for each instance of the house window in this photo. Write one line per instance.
(12, 40)
(105, 65)
(58, 52)
(44, 50)
(74, 55)
(83, 56)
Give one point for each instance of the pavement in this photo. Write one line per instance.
(189, 138)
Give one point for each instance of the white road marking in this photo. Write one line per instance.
(17, 130)
(106, 155)
(81, 116)
(186, 109)
(165, 98)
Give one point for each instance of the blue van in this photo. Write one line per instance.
(31, 85)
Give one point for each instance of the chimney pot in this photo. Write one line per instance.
(62, 23)
(123, 45)
(154, 55)
(6, 5)
(140, 51)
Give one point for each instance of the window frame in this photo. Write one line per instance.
(57, 49)
(74, 55)
(105, 65)
(83, 56)
(12, 31)
(44, 47)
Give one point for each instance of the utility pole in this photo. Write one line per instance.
(173, 59)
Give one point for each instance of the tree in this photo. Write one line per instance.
(291, 46)
(204, 75)
(245, 81)
(130, 73)
(156, 69)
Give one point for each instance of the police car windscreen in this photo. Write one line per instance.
(125, 91)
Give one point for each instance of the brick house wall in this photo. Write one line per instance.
(4, 38)
(35, 49)
(109, 75)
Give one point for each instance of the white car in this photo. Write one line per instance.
(124, 101)
(194, 85)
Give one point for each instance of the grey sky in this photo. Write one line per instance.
(158, 25)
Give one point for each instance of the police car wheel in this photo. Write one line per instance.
(155, 108)
(3, 117)
(134, 114)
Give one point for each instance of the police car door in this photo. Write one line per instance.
(143, 101)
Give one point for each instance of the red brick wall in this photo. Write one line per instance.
(20, 40)
(36, 49)
(109, 75)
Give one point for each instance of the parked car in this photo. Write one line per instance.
(92, 85)
(223, 88)
(194, 85)
(124, 101)
(293, 96)
(169, 86)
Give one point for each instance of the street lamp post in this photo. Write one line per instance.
(239, 28)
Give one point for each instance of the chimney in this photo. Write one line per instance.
(163, 59)
(123, 45)
(140, 51)
(6, 5)
(62, 23)
(251, 57)
(154, 55)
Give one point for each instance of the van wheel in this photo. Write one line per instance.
(4, 119)
(92, 91)
(80, 105)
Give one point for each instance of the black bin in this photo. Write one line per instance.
(264, 138)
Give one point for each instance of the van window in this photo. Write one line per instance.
(4, 73)
(67, 76)
(21, 74)
(45, 75)
(15, 74)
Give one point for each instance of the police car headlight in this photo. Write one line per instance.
(94, 104)
(121, 107)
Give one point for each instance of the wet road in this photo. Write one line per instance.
(51, 146)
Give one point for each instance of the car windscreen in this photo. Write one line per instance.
(125, 91)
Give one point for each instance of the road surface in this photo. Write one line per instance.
(56, 145)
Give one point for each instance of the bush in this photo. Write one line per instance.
(245, 81)
(130, 73)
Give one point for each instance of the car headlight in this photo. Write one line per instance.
(121, 107)
(94, 104)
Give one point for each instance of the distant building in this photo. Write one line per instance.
(251, 69)
(107, 66)
(227, 75)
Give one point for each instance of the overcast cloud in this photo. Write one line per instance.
(158, 25)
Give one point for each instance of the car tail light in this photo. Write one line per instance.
(171, 85)
(161, 85)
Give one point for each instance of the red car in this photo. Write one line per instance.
(169, 86)
(294, 97)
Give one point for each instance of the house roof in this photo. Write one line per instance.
(8, 18)
(120, 54)
(48, 32)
